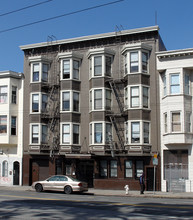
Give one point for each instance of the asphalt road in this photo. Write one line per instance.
(48, 205)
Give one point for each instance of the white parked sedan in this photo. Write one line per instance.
(60, 183)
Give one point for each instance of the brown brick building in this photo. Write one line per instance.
(91, 108)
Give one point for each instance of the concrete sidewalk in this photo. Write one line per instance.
(102, 192)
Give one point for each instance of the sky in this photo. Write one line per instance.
(174, 18)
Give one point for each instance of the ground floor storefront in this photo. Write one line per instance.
(100, 172)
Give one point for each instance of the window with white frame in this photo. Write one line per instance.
(70, 65)
(100, 132)
(70, 101)
(39, 72)
(38, 102)
(137, 96)
(128, 168)
(3, 94)
(187, 84)
(137, 132)
(5, 168)
(3, 124)
(100, 99)
(70, 133)
(174, 83)
(164, 84)
(13, 125)
(188, 122)
(113, 168)
(136, 58)
(176, 121)
(39, 134)
(100, 61)
(165, 122)
(14, 95)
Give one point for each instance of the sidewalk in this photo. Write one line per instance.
(102, 192)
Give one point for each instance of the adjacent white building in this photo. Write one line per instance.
(176, 111)
(11, 127)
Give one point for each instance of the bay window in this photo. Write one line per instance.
(135, 97)
(70, 133)
(35, 72)
(3, 94)
(3, 124)
(39, 134)
(97, 99)
(66, 69)
(66, 134)
(135, 132)
(70, 101)
(38, 102)
(175, 83)
(134, 62)
(176, 122)
(35, 134)
(98, 133)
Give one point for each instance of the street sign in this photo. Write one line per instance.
(155, 161)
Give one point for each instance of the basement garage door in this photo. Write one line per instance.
(40, 170)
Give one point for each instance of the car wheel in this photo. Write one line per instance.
(38, 187)
(68, 190)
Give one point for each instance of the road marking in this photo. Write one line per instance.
(107, 203)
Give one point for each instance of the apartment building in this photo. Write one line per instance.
(11, 127)
(92, 109)
(176, 77)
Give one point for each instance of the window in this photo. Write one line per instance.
(134, 97)
(75, 134)
(164, 85)
(68, 169)
(66, 134)
(98, 135)
(75, 69)
(97, 99)
(187, 84)
(134, 62)
(66, 69)
(128, 168)
(144, 61)
(175, 83)
(103, 168)
(145, 97)
(35, 102)
(35, 134)
(165, 123)
(113, 168)
(36, 72)
(126, 133)
(108, 133)
(75, 101)
(146, 133)
(126, 98)
(100, 61)
(188, 122)
(44, 102)
(70, 101)
(3, 124)
(14, 95)
(108, 99)
(5, 169)
(139, 168)
(66, 101)
(44, 134)
(176, 122)
(135, 132)
(98, 66)
(3, 94)
(126, 69)
(45, 68)
(13, 125)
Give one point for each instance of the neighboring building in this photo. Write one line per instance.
(11, 127)
(176, 103)
(92, 108)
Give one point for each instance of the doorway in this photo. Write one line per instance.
(16, 173)
(149, 178)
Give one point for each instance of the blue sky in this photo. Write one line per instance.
(174, 17)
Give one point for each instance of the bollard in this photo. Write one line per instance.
(126, 189)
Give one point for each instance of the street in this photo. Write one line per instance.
(49, 205)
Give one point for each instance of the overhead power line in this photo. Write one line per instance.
(21, 9)
(59, 16)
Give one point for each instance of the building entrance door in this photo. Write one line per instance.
(16, 173)
(149, 178)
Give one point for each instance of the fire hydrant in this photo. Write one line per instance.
(126, 189)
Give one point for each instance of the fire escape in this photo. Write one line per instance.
(117, 119)
(52, 110)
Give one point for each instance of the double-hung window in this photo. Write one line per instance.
(103, 168)
(3, 124)
(97, 99)
(70, 133)
(66, 101)
(98, 133)
(175, 83)
(164, 85)
(3, 94)
(128, 168)
(66, 69)
(66, 134)
(134, 62)
(146, 132)
(39, 134)
(135, 97)
(98, 66)
(36, 72)
(75, 101)
(113, 168)
(165, 122)
(135, 132)
(76, 65)
(35, 134)
(70, 101)
(145, 97)
(35, 102)
(13, 125)
(188, 122)
(75, 134)
(14, 95)
(176, 122)
(187, 84)
(45, 68)
(44, 134)
(44, 102)
(108, 132)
